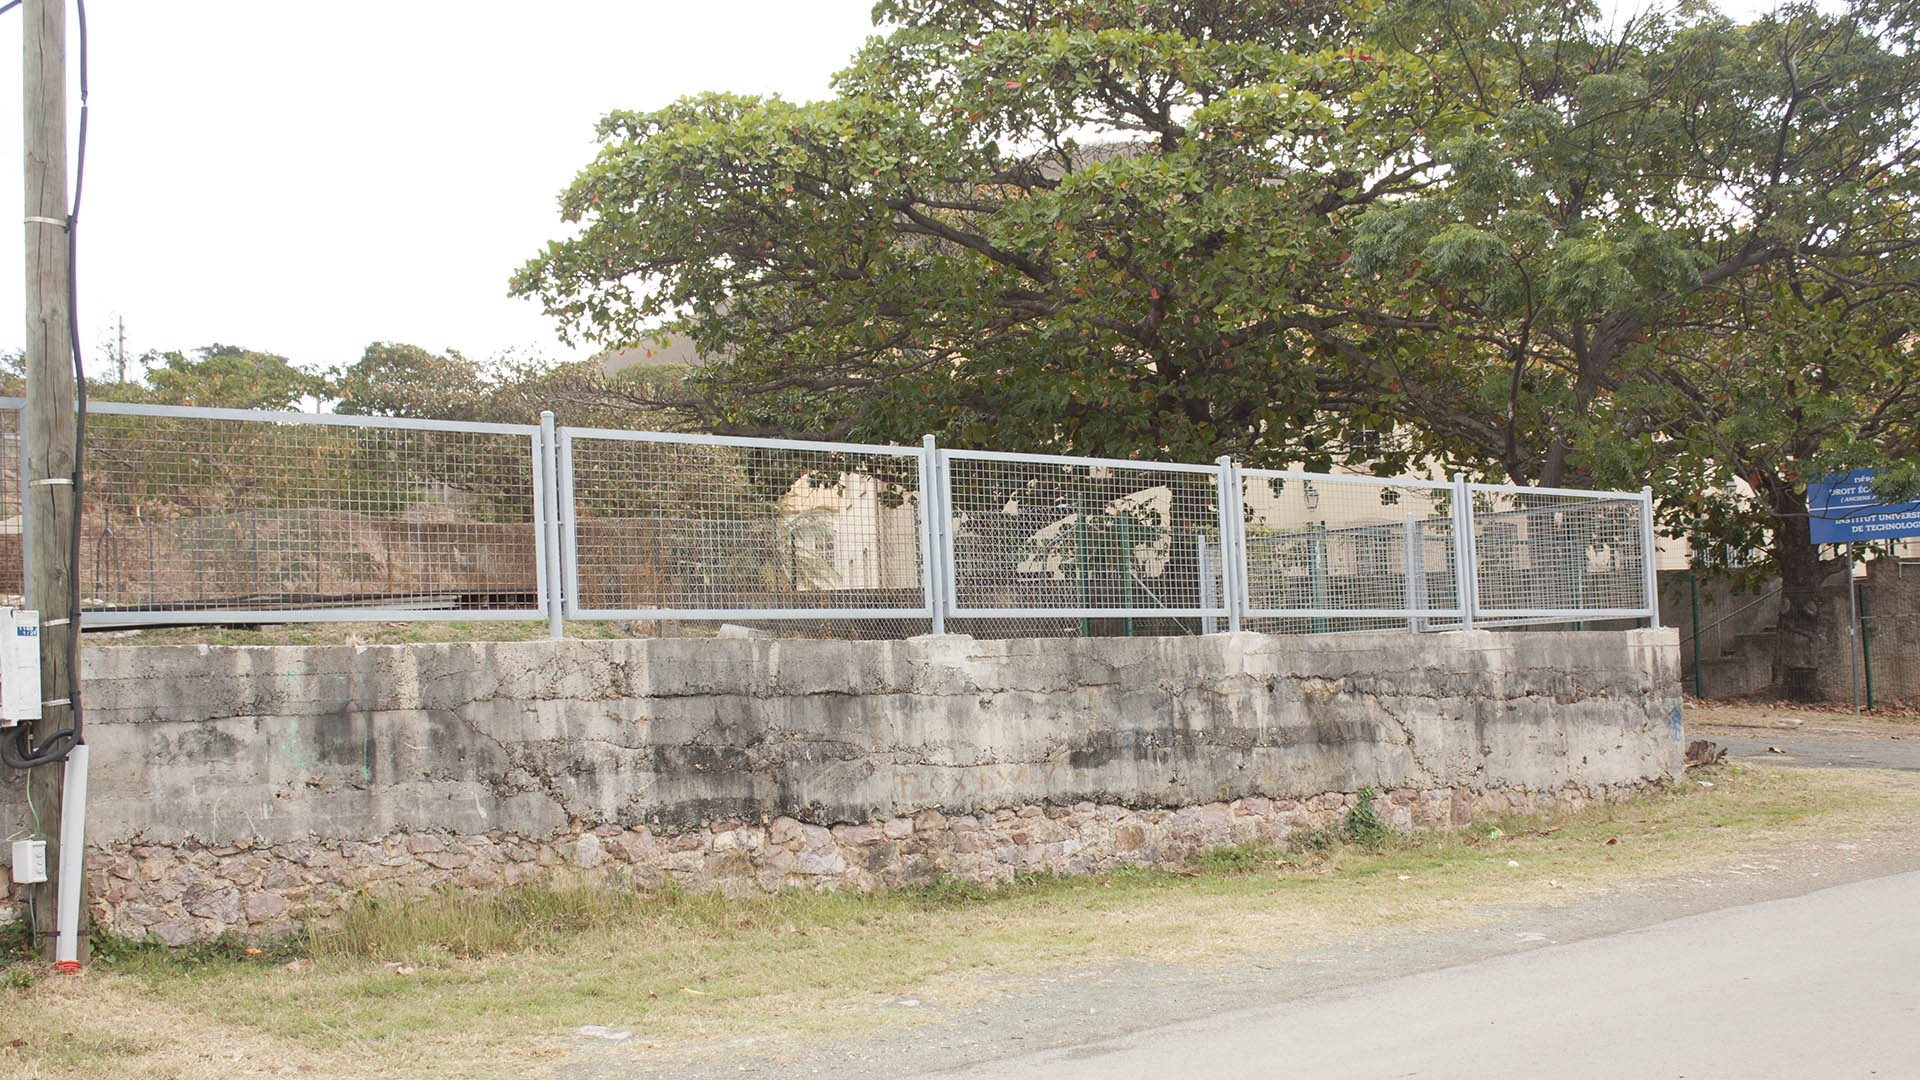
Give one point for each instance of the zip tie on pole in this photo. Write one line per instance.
(35, 219)
(57, 701)
(52, 480)
(44, 623)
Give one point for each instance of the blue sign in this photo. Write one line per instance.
(1844, 509)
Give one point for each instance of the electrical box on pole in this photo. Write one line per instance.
(19, 666)
(29, 866)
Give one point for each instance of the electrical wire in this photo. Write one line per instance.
(17, 750)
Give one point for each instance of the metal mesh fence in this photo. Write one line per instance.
(218, 515)
(692, 527)
(210, 515)
(1555, 555)
(1084, 538)
(1341, 553)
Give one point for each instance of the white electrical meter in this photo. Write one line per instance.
(19, 666)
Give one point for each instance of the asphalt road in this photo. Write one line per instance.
(1822, 752)
(1825, 984)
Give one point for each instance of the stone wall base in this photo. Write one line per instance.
(190, 892)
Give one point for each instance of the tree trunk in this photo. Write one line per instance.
(1797, 643)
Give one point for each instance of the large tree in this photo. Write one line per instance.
(1102, 226)
(1514, 230)
(1680, 250)
(1800, 379)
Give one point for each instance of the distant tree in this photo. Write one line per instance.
(393, 379)
(218, 376)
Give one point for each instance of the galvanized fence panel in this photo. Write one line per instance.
(1328, 553)
(238, 516)
(696, 527)
(218, 515)
(1560, 555)
(1027, 536)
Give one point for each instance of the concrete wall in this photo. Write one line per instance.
(249, 787)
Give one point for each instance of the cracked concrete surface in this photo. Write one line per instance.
(274, 744)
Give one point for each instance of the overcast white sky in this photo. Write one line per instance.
(305, 178)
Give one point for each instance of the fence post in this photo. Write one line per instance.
(1203, 559)
(1416, 574)
(1693, 583)
(1465, 582)
(1648, 561)
(1233, 564)
(549, 514)
(933, 526)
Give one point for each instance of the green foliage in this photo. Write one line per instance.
(946, 891)
(1236, 858)
(394, 379)
(1309, 840)
(212, 376)
(1548, 246)
(457, 923)
(1364, 827)
(222, 377)
(887, 262)
(149, 953)
(1629, 193)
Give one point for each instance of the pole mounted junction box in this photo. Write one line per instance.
(29, 862)
(19, 666)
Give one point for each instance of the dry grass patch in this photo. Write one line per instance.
(480, 986)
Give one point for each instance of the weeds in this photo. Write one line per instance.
(228, 952)
(1313, 841)
(452, 924)
(948, 892)
(1364, 826)
(1236, 859)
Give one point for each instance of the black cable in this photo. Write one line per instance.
(79, 382)
(4, 8)
(16, 750)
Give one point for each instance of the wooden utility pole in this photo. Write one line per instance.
(48, 493)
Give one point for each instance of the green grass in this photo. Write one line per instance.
(472, 985)
(1237, 858)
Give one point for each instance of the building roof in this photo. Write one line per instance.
(657, 350)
